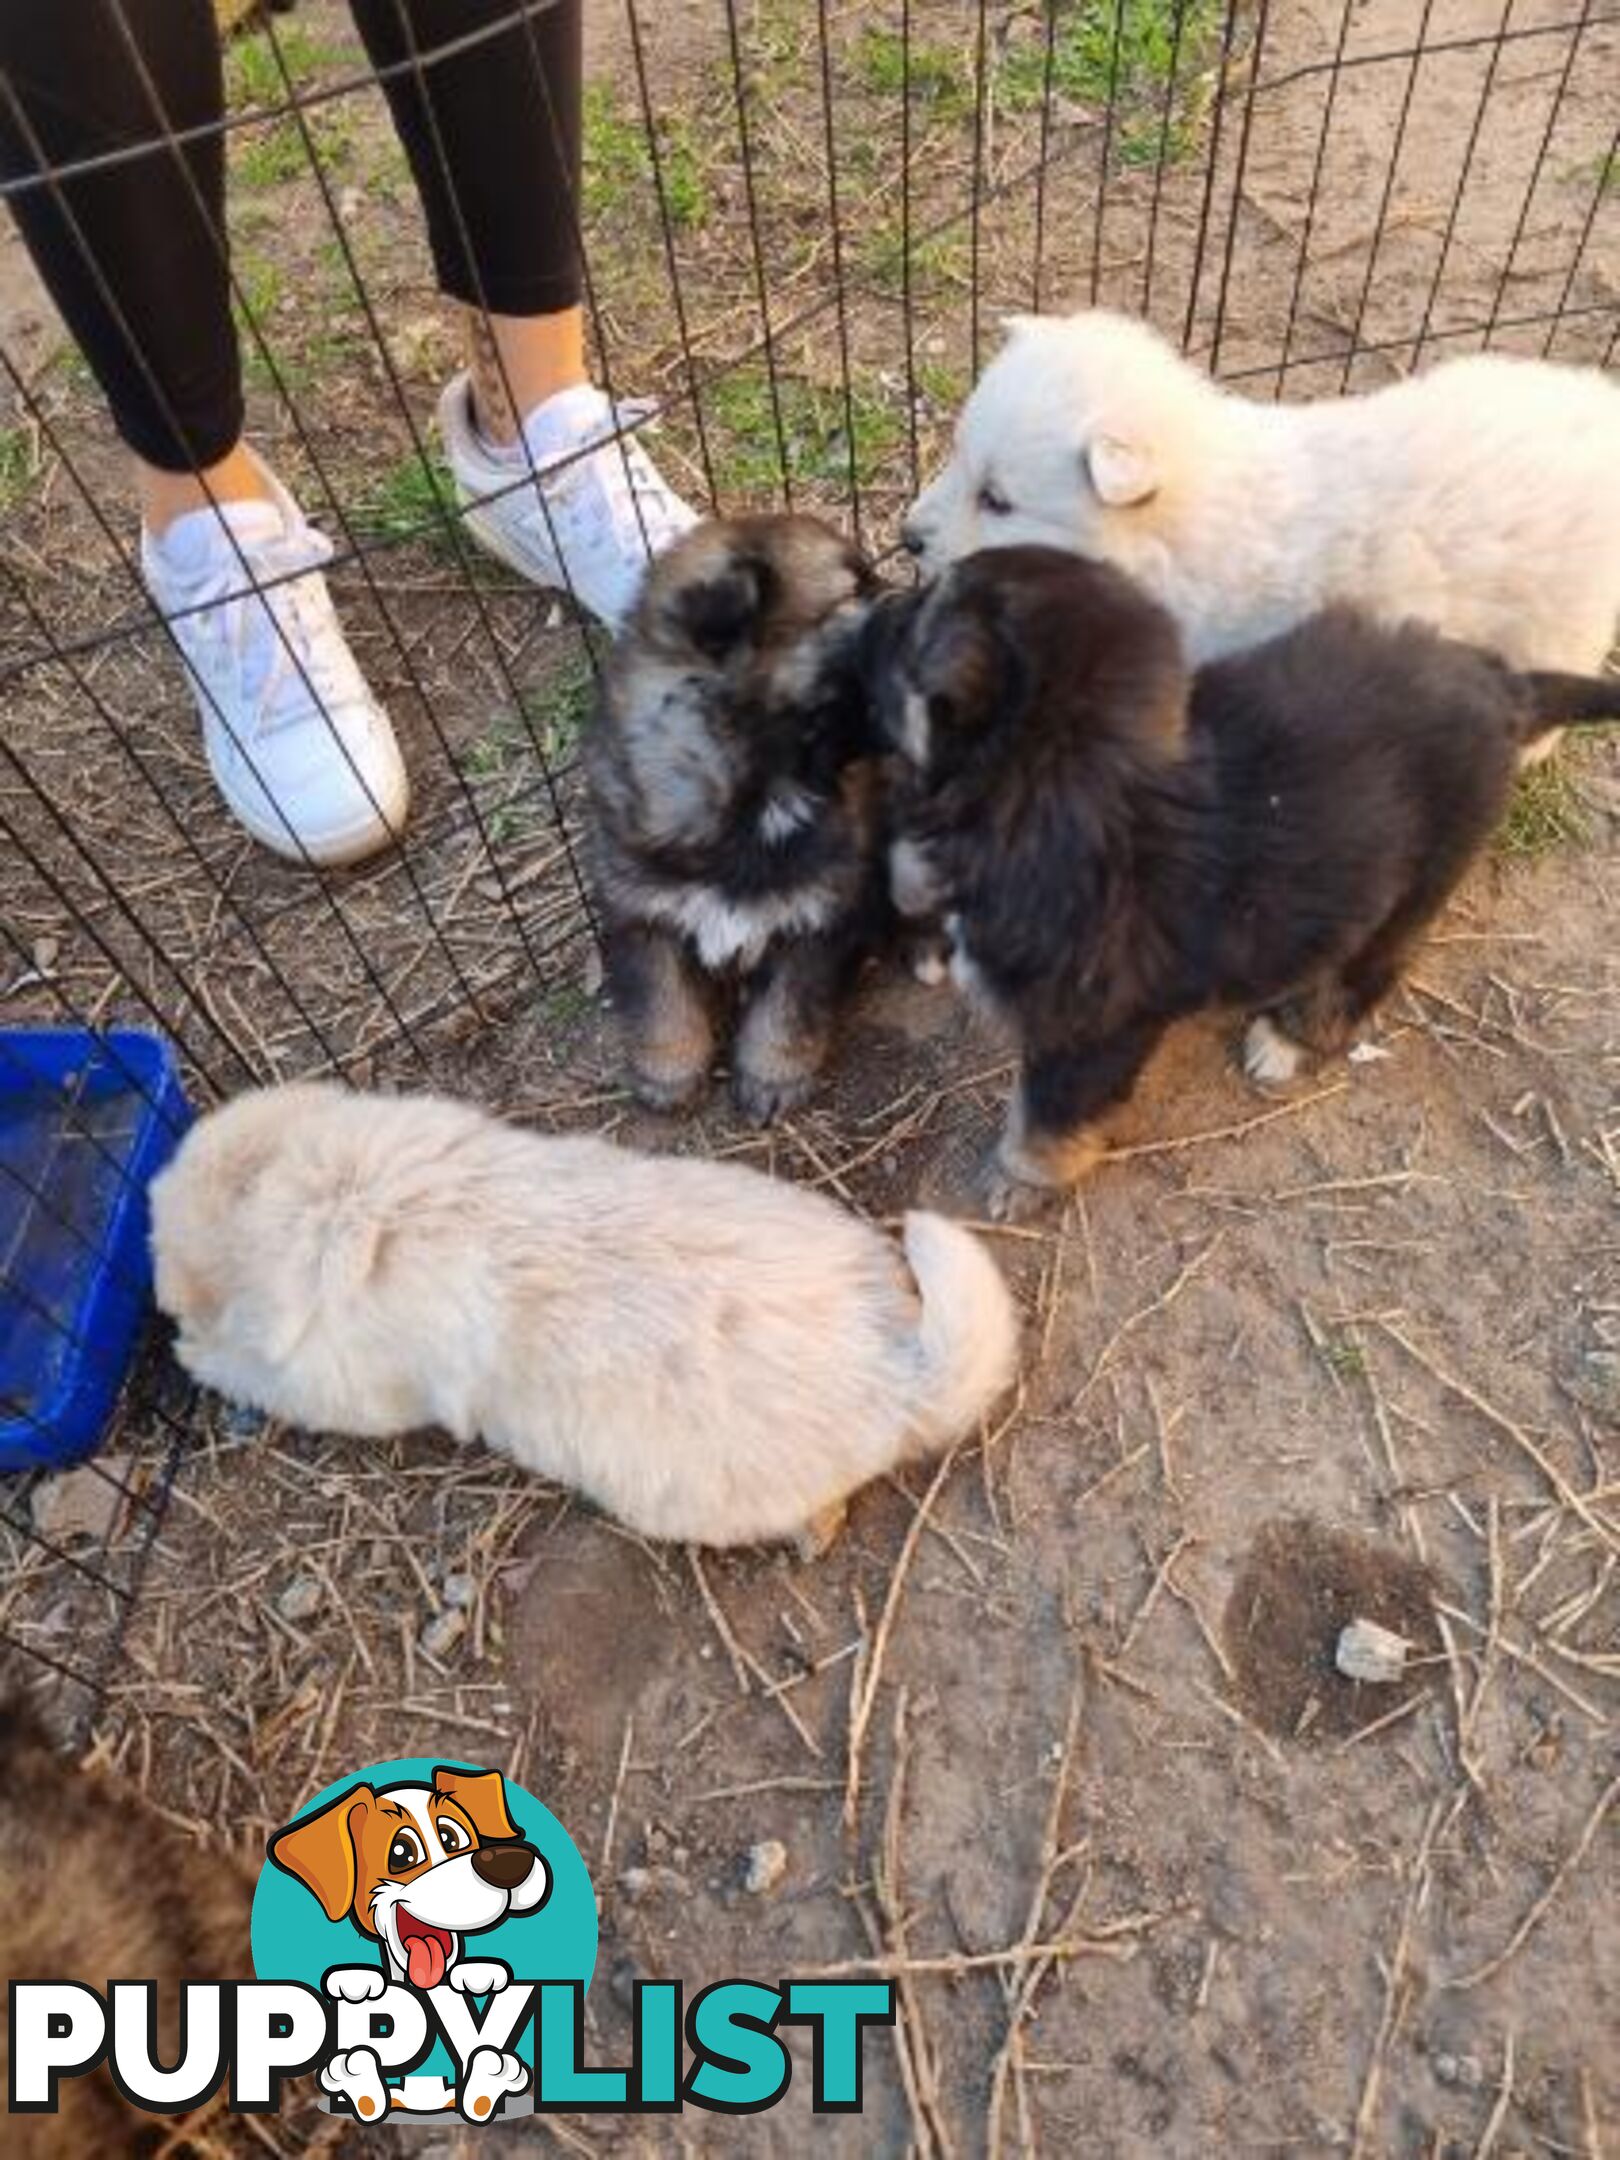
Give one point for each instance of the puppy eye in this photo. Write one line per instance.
(993, 502)
(452, 1837)
(405, 1852)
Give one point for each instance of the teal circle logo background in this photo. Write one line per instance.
(294, 1940)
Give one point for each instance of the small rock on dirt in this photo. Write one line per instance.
(301, 1600)
(767, 1864)
(83, 1503)
(443, 1632)
(1372, 1653)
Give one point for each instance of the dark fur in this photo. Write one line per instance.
(735, 687)
(96, 1887)
(1121, 847)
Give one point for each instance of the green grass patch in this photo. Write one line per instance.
(411, 501)
(944, 259)
(743, 431)
(545, 727)
(268, 156)
(944, 386)
(1124, 52)
(18, 466)
(938, 77)
(555, 717)
(265, 157)
(252, 75)
(258, 292)
(618, 167)
(1547, 812)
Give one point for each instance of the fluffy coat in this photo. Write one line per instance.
(1118, 846)
(96, 1886)
(1481, 497)
(734, 846)
(707, 1353)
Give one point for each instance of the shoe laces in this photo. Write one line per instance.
(630, 491)
(268, 609)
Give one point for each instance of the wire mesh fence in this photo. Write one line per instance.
(800, 222)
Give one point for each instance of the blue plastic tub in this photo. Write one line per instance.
(86, 1121)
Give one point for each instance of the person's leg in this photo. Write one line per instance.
(152, 320)
(492, 132)
(133, 253)
(491, 125)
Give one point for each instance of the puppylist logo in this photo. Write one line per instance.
(423, 1937)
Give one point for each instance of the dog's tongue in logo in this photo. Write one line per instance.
(427, 1950)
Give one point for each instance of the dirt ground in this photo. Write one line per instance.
(1054, 1732)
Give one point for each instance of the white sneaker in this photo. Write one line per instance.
(605, 515)
(298, 746)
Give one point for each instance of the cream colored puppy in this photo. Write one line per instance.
(707, 1353)
(1482, 497)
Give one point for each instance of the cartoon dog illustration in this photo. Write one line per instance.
(418, 1868)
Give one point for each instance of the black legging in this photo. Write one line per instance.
(133, 253)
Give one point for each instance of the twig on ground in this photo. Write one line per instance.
(1537, 1912)
(922, 2087)
(1394, 1969)
(868, 1672)
(1512, 1430)
(1504, 2100)
(1187, 1273)
(604, 1865)
(1227, 1132)
(722, 1626)
(1021, 1982)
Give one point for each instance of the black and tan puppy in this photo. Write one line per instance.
(1119, 844)
(735, 855)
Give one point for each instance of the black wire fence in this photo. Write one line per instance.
(801, 222)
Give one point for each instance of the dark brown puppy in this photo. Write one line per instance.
(96, 1887)
(735, 854)
(1119, 845)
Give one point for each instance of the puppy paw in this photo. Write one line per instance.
(490, 2075)
(761, 1100)
(929, 958)
(669, 1093)
(479, 1976)
(1009, 1198)
(822, 1531)
(357, 2077)
(355, 1983)
(1271, 1059)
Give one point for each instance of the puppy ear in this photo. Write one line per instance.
(1122, 472)
(1015, 327)
(481, 1795)
(722, 612)
(328, 1261)
(319, 1850)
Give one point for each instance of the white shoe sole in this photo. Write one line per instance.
(370, 835)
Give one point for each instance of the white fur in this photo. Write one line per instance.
(914, 884)
(784, 815)
(1482, 496)
(1270, 1058)
(708, 1353)
(735, 934)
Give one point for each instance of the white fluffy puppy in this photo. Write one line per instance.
(1482, 497)
(706, 1352)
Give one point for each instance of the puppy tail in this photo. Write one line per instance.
(968, 1333)
(1569, 701)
